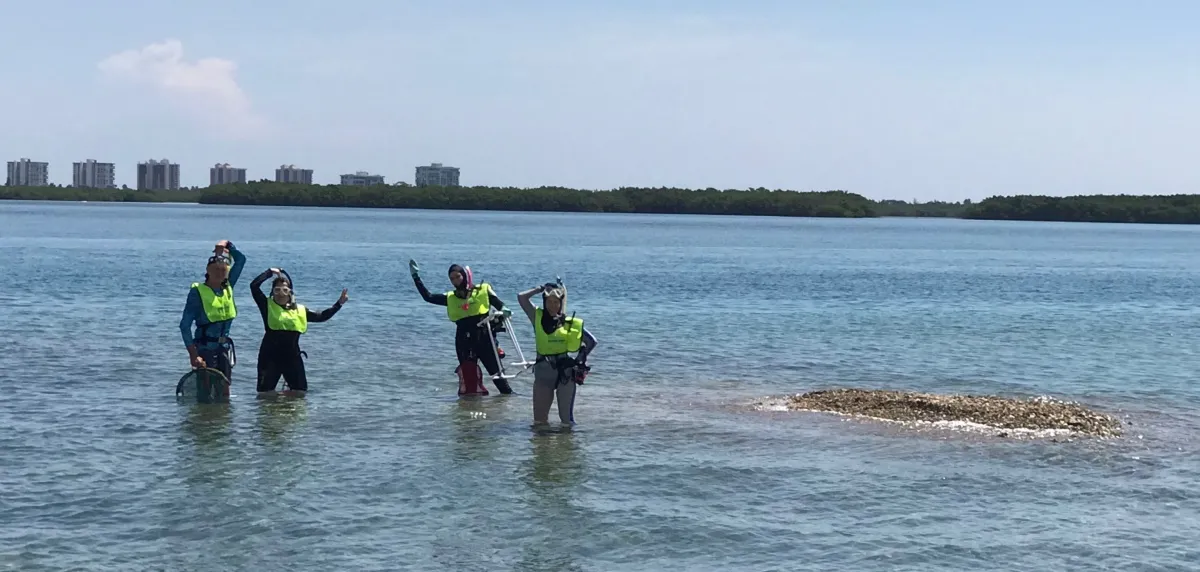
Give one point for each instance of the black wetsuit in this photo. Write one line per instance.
(279, 353)
(471, 341)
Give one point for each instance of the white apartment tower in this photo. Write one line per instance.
(223, 174)
(290, 174)
(437, 175)
(26, 173)
(362, 179)
(94, 175)
(158, 176)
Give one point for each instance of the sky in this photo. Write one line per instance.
(913, 100)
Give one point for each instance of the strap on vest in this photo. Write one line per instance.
(561, 363)
(202, 337)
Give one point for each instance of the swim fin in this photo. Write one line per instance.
(502, 385)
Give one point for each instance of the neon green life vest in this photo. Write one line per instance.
(282, 319)
(476, 304)
(216, 308)
(567, 338)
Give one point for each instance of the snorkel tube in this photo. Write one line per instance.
(559, 292)
(291, 283)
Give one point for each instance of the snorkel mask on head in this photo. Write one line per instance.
(556, 291)
(559, 292)
(284, 288)
(217, 259)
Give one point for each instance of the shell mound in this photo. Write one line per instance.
(1036, 414)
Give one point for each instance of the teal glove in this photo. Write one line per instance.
(413, 268)
(507, 313)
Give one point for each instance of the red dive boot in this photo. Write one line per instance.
(470, 379)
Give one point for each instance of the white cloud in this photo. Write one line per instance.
(206, 89)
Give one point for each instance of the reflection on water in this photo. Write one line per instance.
(282, 463)
(554, 473)
(556, 462)
(205, 432)
(278, 415)
(207, 426)
(473, 421)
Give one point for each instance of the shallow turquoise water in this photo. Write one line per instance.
(381, 467)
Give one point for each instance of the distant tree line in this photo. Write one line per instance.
(915, 209)
(124, 194)
(557, 199)
(1160, 209)
(1166, 209)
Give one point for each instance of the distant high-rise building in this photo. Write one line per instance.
(362, 179)
(91, 174)
(26, 173)
(223, 174)
(158, 176)
(290, 174)
(437, 175)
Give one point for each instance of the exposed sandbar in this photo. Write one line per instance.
(1035, 414)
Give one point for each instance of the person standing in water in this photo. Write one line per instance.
(556, 335)
(285, 321)
(467, 305)
(211, 308)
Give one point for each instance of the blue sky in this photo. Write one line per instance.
(912, 100)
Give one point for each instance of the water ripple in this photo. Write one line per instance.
(380, 467)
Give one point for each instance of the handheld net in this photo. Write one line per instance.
(205, 385)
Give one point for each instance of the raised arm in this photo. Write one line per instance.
(239, 262)
(523, 300)
(256, 288)
(327, 313)
(437, 299)
(323, 315)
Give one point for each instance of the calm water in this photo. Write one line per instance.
(381, 467)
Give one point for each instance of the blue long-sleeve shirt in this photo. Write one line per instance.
(193, 309)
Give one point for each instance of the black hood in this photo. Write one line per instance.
(460, 290)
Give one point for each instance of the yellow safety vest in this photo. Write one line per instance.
(282, 319)
(567, 338)
(476, 304)
(216, 308)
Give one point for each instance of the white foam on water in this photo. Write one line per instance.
(770, 405)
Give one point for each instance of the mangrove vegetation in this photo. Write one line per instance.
(761, 202)
(1160, 209)
(124, 194)
(1172, 209)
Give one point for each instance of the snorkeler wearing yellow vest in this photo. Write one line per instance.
(556, 336)
(467, 305)
(210, 306)
(285, 321)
